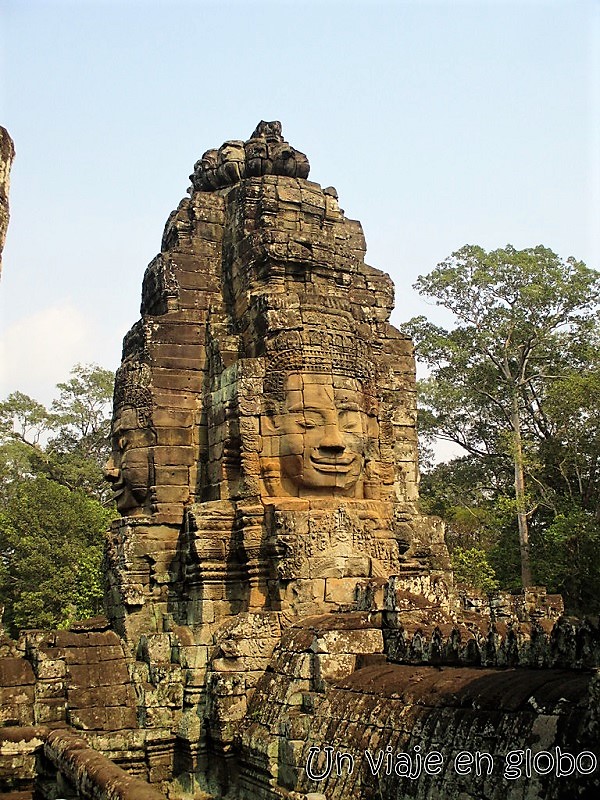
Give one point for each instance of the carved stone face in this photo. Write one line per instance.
(129, 468)
(322, 430)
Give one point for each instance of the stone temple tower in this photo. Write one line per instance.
(265, 402)
(264, 432)
(7, 154)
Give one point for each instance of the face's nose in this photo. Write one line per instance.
(111, 473)
(332, 438)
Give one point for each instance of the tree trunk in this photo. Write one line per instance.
(520, 494)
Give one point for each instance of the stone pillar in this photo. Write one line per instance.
(7, 154)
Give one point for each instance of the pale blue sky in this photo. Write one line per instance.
(440, 124)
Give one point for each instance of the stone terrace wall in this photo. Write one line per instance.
(147, 714)
(90, 774)
(420, 710)
(41, 763)
(329, 685)
(86, 680)
(419, 627)
(19, 749)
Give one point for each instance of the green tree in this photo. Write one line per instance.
(471, 568)
(51, 544)
(55, 505)
(524, 318)
(571, 454)
(69, 442)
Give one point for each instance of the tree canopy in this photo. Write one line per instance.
(55, 504)
(69, 442)
(515, 383)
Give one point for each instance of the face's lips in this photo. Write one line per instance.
(121, 487)
(341, 464)
(118, 489)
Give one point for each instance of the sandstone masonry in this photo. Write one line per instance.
(271, 586)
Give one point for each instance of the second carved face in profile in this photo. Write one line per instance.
(129, 468)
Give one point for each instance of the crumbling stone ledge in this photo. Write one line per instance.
(410, 638)
(19, 747)
(93, 775)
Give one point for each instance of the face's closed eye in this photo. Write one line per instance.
(351, 422)
(310, 421)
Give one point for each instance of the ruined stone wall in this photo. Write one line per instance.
(41, 763)
(457, 685)
(399, 713)
(73, 768)
(7, 154)
(86, 681)
(330, 687)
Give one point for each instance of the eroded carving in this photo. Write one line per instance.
(130, 466)
(265, 153)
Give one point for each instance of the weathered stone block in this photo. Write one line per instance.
(50, 710)
(173, 456)
(50, 688)
(356, 641)
(16, 672)
(332, 668)
(50, 669)
(16, 707)
(340, 590)
(172, 494)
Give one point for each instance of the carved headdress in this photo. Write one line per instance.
(132, 382)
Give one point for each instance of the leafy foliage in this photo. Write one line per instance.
(51, 541)
(471, 567)
(517, 384)
(68, 442)
(55, 507)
